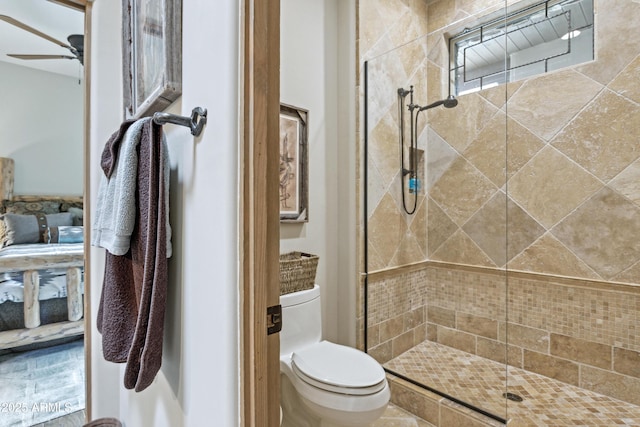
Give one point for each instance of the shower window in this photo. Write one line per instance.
(534, 40)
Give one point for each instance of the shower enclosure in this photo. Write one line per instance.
(501, 233)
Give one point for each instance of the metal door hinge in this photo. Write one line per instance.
(274, 319)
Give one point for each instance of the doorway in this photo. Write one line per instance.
(44, 131)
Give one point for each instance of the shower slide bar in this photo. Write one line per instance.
(414, 112)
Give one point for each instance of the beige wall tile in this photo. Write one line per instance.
(611, 384)
(412, 50)
(526, 337)
(488, 228)
(613, 52)
(440, 156)
(550, 186)
(414, 318)
(420, 334)
(461, 191)
(375, 261)
(382, 353)
(548, 255)
(418, 227)
(456, 339)
(440, 14)
(581, 351)
(432, 332)
(627, 182)
(417, 401)
(477, 325)
(630, 275)
(387, 229)
(552, 367)
(604, 232)
(626, 362)
(383, 147)
(441, 316)
(459, 248)
(391, 328)
(626, 83)
(500, 94)
(409, 250)
(460, 126)
(546, 103)
(439, 227)
(455, 415)
(402, 343)
(599, 138)
(487, 151)
(373, 335)
(496, 350)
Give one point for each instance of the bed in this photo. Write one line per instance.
(41, 282)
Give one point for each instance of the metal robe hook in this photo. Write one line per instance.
(196, 122)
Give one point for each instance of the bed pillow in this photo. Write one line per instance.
(3, 232)
(31, 208)
(64, 234)
(77, 215)
(31, 228)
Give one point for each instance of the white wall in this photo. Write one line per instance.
(313, 76)
(41, 128)
(198, 383)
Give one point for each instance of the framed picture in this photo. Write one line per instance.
(152, 55)
(294, 164)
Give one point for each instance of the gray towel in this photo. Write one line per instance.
(133, 300)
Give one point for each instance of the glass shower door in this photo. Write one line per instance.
(435, 227)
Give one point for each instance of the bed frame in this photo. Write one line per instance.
(34, 332)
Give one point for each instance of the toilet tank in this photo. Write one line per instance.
(301, 320)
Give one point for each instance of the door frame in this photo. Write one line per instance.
(87, 7)
(259, 207)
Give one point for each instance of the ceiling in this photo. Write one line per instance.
(50, 18)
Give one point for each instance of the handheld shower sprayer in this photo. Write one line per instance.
(413, 183)
(449, 102)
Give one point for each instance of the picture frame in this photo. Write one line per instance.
(294, 164)
(152, 55)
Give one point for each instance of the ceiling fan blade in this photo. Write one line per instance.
(41, 56)
(32, 30)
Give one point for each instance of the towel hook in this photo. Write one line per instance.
(196, 122)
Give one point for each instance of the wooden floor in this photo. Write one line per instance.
(43, 385)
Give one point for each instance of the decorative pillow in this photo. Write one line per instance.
(31, 228)
(64, 234)
(26, 208)
(3, 233)
(77, 215)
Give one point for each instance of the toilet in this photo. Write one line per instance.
(324, 384)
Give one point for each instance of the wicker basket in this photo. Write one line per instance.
(297, 272)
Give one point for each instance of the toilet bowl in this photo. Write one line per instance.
(322, 383)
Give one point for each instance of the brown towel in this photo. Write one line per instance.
(133, 300)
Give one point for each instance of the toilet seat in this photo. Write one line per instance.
(338, 369)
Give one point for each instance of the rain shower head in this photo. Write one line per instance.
(450, 102)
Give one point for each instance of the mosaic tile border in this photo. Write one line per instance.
(579, 332)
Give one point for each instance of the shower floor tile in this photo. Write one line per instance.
(482, 382)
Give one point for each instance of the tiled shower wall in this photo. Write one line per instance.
(577, 331)
(559, 199)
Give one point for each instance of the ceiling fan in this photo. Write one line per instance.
(75, 45)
